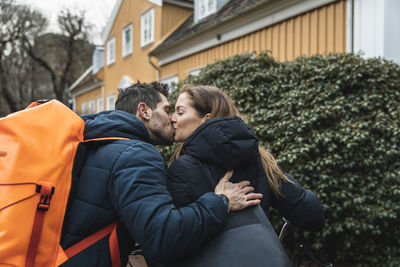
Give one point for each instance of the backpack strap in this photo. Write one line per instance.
(46, 192)
(64, 255)
(105, 139)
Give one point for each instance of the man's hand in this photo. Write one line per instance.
(237, 193)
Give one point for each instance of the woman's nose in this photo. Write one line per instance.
(173, 118)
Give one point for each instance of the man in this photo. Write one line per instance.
(125, 180)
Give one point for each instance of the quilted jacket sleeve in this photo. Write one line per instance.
(139, 194)
(300, 206)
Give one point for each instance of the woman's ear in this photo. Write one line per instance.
(208, 116)
(143, 112)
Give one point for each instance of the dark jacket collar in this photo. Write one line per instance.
(115, 123)
(226, 142)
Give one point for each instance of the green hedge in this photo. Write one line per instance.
(333, 122)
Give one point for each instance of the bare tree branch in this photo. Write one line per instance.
(10, 100)
(74, 27)
(15, 22)
(24, 44)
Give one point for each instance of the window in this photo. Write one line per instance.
(98, 59)
(91, 107)
(195, 72)
(100, 106)
(127, 40)
(125, 81)
(111, 102)
(84, 108)
(147, 27)
(206, 7)
(172, 83)
(111, 51)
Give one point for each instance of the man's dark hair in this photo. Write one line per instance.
(148, 93)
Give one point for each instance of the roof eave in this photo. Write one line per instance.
(179, 3)
(76, 83)
(225, 20)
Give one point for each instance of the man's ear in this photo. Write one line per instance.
(143, 111)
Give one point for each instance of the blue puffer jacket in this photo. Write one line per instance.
(125, 181)
(222, 144)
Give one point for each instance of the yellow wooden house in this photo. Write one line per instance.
(166, 40)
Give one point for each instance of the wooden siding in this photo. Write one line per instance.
(319, 31)
(134, 65)
(171, 16)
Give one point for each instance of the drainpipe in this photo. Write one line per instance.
(350, 26)
(154, 66)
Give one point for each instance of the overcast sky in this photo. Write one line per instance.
(97, 12)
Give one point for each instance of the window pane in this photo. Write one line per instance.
(100, 105)
(84, 108)
(172, 83)
(111, 51)
(127, 41)
(91, 107)
(147, 27)
(127, 37)
(210, 6)
(110, 102)
(150, 26)
(202, 8)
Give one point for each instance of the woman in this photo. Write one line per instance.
(215, 139)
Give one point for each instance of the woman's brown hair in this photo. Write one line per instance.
(210, 99)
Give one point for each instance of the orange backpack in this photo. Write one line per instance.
(37, 151)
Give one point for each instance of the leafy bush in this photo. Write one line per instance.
(333, 122)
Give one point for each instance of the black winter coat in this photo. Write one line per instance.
(223, 144)
(247, 238)
(125, 181)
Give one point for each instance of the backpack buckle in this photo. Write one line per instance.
(46, 193)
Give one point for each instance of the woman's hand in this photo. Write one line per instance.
(238, 193)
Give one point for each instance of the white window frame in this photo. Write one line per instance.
(172, 82)
(207, 9)
(100, 105)
(145, 18)
(127, 48)
(195, 72)
(84, 108)
(111, 105)
(111, 51)
(92, 107)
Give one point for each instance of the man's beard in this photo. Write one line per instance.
(163, 134)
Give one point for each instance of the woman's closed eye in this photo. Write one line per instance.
(179, 111)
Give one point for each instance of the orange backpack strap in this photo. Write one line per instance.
(46, 192)
(114, 248)
(64, 255)
(106, 139)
